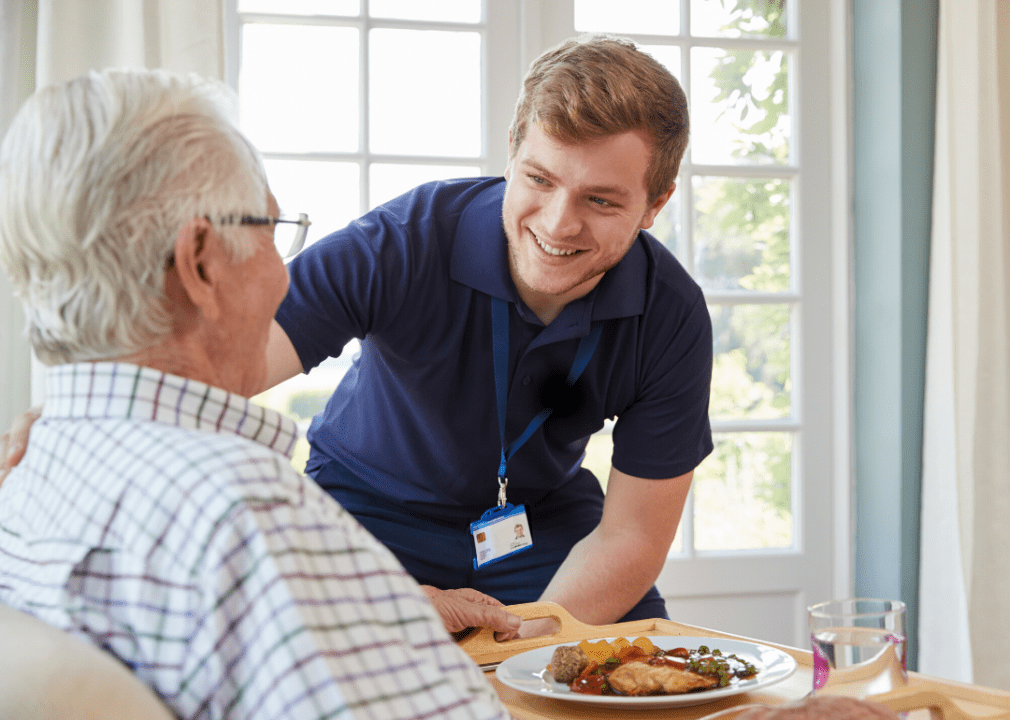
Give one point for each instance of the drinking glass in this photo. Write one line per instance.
(859, 646)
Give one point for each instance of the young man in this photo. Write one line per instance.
(487, 305)
(155, 511)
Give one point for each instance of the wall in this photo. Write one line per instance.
(894, 52)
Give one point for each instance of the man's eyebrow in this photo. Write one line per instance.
(612, 190)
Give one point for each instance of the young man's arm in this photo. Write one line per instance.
(14, 442)
(609, 570)
(282, 359)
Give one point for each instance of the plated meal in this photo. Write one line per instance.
(638, 668)
(537, 672)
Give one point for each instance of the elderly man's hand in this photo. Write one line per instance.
(14, 442)
(822, 707)
(465, 608)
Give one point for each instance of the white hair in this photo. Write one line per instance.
(97, 178)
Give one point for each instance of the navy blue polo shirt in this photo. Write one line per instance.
(415, 420)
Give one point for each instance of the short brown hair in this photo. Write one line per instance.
(598, 85)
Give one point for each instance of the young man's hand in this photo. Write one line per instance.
(466, 608)
(14, 442)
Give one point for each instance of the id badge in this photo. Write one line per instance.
(501, 532)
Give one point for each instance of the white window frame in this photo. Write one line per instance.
(514, 32)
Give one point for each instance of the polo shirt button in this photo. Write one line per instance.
(527, 380)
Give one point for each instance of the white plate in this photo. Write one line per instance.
(527, 672)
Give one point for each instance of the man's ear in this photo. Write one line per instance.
(191, 266)
(658, 204)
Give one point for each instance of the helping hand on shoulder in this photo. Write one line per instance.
(15, 440)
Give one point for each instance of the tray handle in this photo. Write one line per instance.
(906, 699)
(481, 643)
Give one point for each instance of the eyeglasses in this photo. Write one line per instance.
(289, 234)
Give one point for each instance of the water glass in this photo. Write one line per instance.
(859, 646)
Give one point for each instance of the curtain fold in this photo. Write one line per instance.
(17, 81)
(75, 36)
(965, 569)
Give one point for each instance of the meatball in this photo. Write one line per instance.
(568, 663)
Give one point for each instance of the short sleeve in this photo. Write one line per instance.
(666, 432)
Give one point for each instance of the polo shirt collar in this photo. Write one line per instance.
(480, 260)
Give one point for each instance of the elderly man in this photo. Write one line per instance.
(155, 511)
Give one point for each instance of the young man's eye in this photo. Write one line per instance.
(537, 179)
(601, 202)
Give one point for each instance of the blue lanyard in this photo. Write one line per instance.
(500, 327)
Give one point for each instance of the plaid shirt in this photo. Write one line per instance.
(160, 518)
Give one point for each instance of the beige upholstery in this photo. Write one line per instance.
(47, 674)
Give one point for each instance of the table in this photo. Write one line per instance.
(952, 700)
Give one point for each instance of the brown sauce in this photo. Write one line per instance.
(593, 680)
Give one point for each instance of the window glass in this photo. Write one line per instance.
(647, 17)
(463, 11)
(743, 493)
(751, 367)
(667, 228)
(388, 180)
(739, 18)
(326, 191)
(668, 56)
(284, 108)
(425, 92)
(302, 7)
(739, 106)
(741, 233)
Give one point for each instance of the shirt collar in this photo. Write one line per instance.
(110, 390)
(480, 260)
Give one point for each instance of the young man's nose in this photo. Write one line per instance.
(561, 217)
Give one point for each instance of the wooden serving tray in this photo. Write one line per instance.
(924, 697)
(486, 651)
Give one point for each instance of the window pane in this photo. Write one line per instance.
(425, 92)
(741, 233)
(386, 180)
(668, 55)
(668, 229)
(301, 7)
(751, 368)
(327, 191)
(739, 18)
(599, 452)
(743, 493)
(739, 106)
(465, 11)
(649, 17)
(298, 87)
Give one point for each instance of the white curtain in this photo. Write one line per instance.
(17, 81)
(49, 41)
(965, 568)
(77, 35)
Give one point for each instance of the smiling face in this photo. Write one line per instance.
(572, 211)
